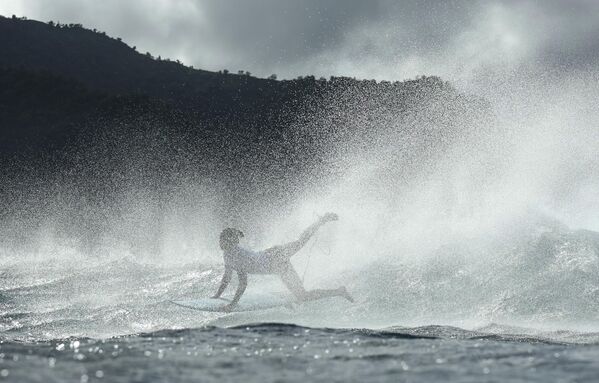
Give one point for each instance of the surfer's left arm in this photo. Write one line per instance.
(243, 282)
(224, 282)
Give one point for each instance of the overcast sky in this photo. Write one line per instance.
(380, 39)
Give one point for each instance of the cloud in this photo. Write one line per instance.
(381, 39)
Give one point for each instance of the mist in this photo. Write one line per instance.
(449, 231)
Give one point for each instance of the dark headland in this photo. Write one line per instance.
(84, 116)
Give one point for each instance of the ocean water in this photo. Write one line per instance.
(531, 318)
(272, 352)
(476, 261)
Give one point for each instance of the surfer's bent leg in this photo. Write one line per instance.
(295, 285)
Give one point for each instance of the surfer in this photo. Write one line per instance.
(274, 260)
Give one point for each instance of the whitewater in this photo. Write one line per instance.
(471, 259)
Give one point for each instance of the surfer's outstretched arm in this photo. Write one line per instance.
(243, 283)
(224, 282)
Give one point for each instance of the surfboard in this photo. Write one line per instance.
(246, 303)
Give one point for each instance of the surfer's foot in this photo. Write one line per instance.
(328, 217)
(343, 292)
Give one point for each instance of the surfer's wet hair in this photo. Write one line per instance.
(230, 236)
(230, 232)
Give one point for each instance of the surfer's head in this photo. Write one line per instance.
(229, 238)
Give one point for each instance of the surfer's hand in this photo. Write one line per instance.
(228, 308)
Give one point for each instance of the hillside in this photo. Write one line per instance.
(86, 116)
